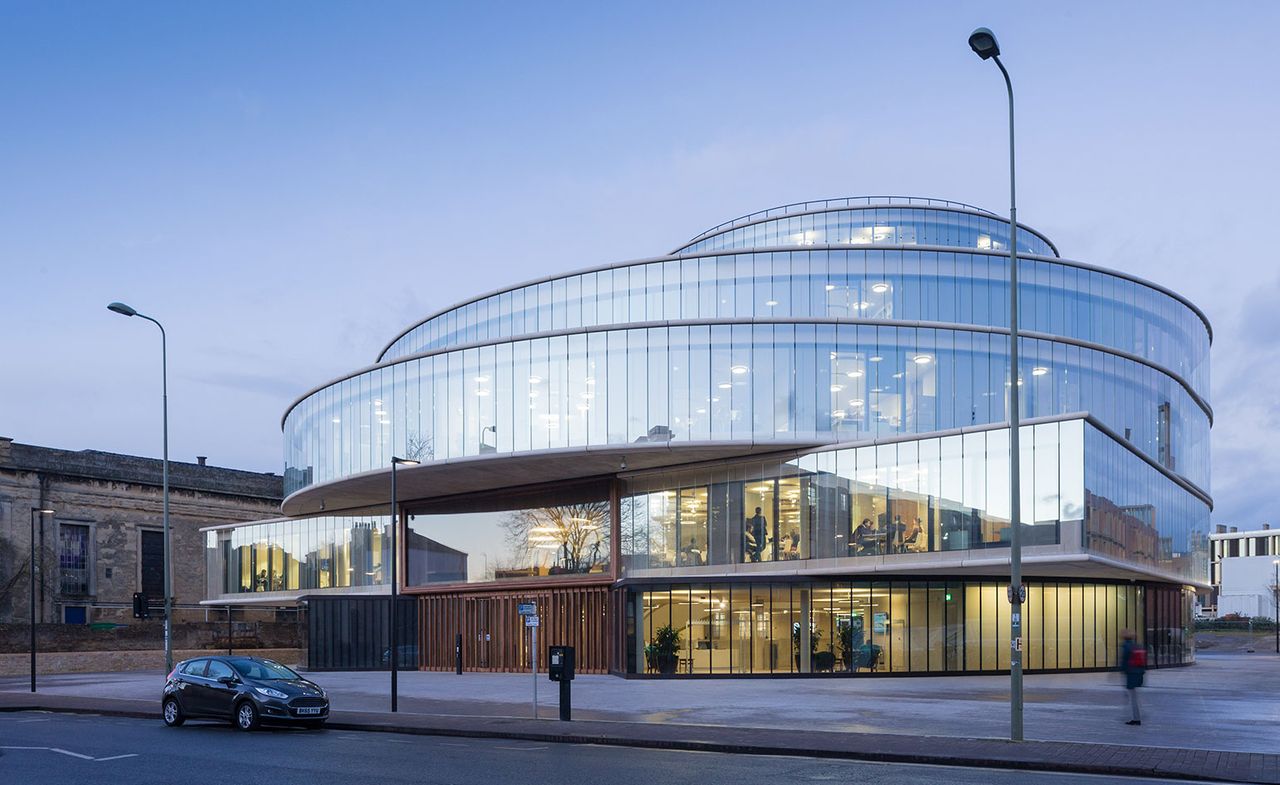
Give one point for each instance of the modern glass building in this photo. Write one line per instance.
(780, 448)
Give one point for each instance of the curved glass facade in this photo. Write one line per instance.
(878, 226)
(781, 382)
(814, 402)
(1057, 298)
(899, 626)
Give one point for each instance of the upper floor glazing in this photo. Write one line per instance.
(957, 228)
(750, 381)
(1057, 298)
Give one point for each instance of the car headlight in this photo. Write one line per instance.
(270, 693)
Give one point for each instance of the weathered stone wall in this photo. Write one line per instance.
(141, 636)
(118, 497)
(116, 661)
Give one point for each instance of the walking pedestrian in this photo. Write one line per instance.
(1133, 664)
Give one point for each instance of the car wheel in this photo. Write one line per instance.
(246, 716)
(172, 712)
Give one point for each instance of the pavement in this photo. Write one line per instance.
(1213, 721)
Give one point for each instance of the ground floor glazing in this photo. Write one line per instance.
(946, 625)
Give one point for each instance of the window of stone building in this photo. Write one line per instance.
(151, 560)
(73, 558)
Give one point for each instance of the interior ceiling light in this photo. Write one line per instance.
(535, 380)
(923, 359)
(1039, 370)
(875, 358)
(853, 374)
(725, 385)
(830, 287)
(739, 369)
(837, 387)
(770, 303)
(880, 288)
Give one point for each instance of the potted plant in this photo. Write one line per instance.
(666, 649)
(851, 641)
(815, 636)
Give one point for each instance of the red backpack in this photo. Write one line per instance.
(1138, 657)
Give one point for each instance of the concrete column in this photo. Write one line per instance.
(806, 632)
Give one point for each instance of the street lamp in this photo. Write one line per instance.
(983, 42)
(395, 557)
(34, 512)
(125, 310)
(1275, 601)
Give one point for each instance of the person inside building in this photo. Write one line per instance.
(754, 535)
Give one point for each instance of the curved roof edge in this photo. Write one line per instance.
(833, 203)
(952, 207)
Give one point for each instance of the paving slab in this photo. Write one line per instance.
(1213, 720)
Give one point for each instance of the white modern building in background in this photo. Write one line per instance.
(1243, 570)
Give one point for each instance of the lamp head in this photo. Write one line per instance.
(122, 309)
(43, 510)
(404, 461)
(983, 43)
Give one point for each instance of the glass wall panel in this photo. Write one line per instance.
(299, 554)
(550, 533)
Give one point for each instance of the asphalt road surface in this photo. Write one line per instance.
(41, 747)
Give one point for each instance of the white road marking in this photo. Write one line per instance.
(61, 751)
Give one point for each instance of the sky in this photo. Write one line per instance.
(288, 185)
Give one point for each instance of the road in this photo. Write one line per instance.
(39, 747)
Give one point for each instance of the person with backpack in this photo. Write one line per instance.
(1133, 664)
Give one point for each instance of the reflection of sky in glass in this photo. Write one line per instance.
(478, 534)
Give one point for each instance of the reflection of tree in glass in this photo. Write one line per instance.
(575, 536)
(418, 446)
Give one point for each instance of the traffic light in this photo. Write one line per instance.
(140, 606)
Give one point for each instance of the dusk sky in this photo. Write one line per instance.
(287, 185)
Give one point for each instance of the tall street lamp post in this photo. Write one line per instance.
(1275, 603)
(125, 310)
(395, 557)
(34, 512)
(983, 42)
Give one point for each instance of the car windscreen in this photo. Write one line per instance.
(263, 669)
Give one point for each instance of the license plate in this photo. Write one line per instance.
(308, 710)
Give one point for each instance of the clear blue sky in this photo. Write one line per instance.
(288, 184)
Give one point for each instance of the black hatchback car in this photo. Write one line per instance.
(245, 690)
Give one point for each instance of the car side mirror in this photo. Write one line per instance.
(230, 681)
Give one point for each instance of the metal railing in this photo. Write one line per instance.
(824, 204)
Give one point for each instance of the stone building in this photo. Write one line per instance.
(104, 539)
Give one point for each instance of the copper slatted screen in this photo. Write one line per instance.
(494, 637)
